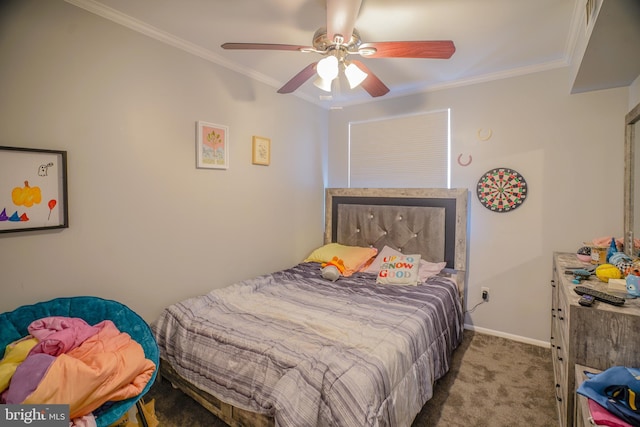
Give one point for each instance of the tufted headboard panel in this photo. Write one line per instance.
(408, 229)
(431, 222)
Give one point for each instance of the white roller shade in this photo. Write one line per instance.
(400, 152)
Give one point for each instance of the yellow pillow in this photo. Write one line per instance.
(354, 257)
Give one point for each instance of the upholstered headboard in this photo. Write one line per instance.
(431, 222)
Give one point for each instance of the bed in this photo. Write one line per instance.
(292, 348)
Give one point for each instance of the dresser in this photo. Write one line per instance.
(599, 336)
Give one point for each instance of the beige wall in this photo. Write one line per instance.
(569, 149)
(146, 227)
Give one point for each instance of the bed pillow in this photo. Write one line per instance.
(353, 257)
(427, 269)
(374, 267)
(399, 270)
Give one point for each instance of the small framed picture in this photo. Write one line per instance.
(261, 151)
(212, 146)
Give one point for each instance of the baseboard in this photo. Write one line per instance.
(512, 337)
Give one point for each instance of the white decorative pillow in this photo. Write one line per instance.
(426, 270)
(399, 270)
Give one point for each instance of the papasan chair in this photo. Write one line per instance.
(93, 310)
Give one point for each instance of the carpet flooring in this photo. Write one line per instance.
(493, 382)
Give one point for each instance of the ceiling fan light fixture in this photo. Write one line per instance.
(354, 75)
(328, 68)
(323, 84)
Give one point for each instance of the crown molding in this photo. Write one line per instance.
(141, 27)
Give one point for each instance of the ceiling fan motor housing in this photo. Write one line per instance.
(323, 44)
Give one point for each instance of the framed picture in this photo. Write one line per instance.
(33, 189)
(261, 151)
(212, 146)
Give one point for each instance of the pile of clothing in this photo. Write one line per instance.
(614, 396)
(64, 360)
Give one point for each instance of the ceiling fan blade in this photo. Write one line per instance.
(264, 46)
(299, 79)
(341, 18)
(437, 49)
(372, 84)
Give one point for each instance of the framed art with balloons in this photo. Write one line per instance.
(33, 189)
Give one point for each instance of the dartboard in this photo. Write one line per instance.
(501, 190)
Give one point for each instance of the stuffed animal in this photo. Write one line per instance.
(333, 269)
(633, 283)
(605, 272)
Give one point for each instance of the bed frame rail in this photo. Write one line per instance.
(232, 416)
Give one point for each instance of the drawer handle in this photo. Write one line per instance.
(558, 398)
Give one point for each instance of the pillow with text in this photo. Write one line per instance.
(399, 270)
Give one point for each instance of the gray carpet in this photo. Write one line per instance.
(493, 382)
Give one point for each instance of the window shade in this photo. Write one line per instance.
(400, 152)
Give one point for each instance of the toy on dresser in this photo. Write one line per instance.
(619, 271)
(633, 285)
(630, 275)
(580, 274)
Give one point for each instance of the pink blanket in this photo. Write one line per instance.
(58, 335)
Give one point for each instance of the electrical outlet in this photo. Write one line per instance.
(485, 293)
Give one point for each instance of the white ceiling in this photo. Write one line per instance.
(493, 38)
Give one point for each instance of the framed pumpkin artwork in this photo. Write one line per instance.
(33, 189)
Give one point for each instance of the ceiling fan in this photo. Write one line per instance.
(339, 40)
